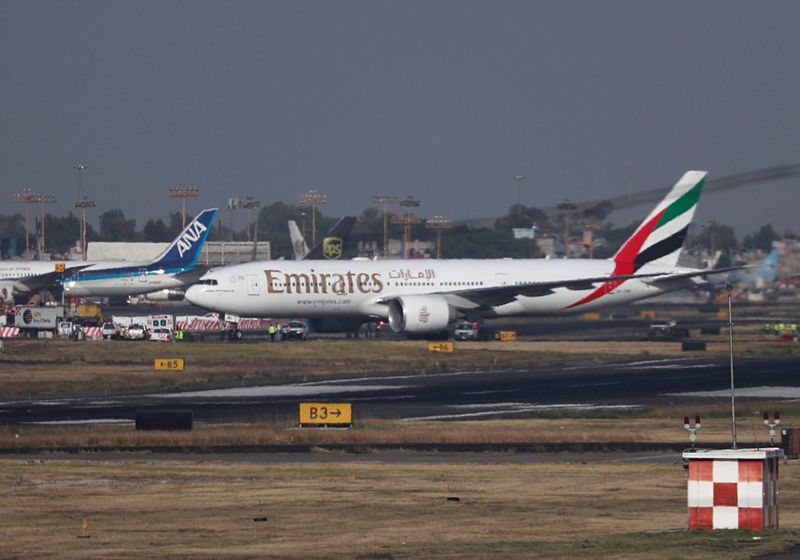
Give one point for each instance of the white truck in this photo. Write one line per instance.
(41, 322)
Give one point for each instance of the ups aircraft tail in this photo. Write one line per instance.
(185, 249)
(330, 248)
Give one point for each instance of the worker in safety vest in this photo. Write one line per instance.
(272, 331)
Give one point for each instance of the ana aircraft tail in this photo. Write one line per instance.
(660, 237)
(185, 249)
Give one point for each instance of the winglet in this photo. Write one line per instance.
(185, 249)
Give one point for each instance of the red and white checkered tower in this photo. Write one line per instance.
(733, 488)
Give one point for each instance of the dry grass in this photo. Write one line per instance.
(31, 368)
(658, 426)
(346, 509)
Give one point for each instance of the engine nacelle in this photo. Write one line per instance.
(417, 314)
(165, 295)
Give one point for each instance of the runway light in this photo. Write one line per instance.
(692, 429)
(772, 424)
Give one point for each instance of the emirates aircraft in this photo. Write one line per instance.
(425, 296)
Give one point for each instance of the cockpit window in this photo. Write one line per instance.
(208, 282)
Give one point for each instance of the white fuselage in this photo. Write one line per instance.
(119, 278)
(363, 288)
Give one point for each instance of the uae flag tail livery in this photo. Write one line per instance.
(660, 237)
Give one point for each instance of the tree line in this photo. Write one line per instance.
(63, 232)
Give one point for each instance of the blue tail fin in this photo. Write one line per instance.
(185, 249)
(769, 267)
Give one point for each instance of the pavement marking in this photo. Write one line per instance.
(766, 392)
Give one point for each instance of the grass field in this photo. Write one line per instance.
(352, 509)
(33, 368)
(144, 509)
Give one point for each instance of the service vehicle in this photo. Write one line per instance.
(135, 332)
(38, 321)
(65, 329)
(160, 321)
(88, 313)
(667, 329)
(109, 331)
(466, 330)
(297, 330)
(161, 334)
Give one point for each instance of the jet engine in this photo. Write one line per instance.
(417, 314)
(165, 295)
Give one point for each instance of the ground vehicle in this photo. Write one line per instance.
(38, 321)
(295, 329)
(65, 329)
(161, 334)
(108, 330)
(667, 329)
(471, 331)
(135, 332)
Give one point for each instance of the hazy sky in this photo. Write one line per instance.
(445, 100)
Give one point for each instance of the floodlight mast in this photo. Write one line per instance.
(183, 194)
(249, 204)
(313, 198)
(408, 219)
(83, 204)
(27, 197)
(43, 199)
(439, 223)
(386, 200)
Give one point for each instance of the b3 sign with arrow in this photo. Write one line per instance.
(339, 415)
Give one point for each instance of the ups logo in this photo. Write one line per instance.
(332, 247)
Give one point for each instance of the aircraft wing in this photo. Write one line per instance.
(47, 280)
(189, 277)
(499, 295)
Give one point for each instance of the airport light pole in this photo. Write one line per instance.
(408, 219)
(439, 223)
(43, 199)
(27, 197)
(733, 391)
(313, 198)
(183, 194)
(567, 208)
(83, 204)
(518, 180)
(249, 204)
(80, 168)
(386, 200)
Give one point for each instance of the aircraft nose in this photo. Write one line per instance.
(198, 295)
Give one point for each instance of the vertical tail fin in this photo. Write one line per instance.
(333, 244)
(185, 249)
(299, 247)
(769, 267)
(660, 237)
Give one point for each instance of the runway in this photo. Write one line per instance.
(461, 395)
